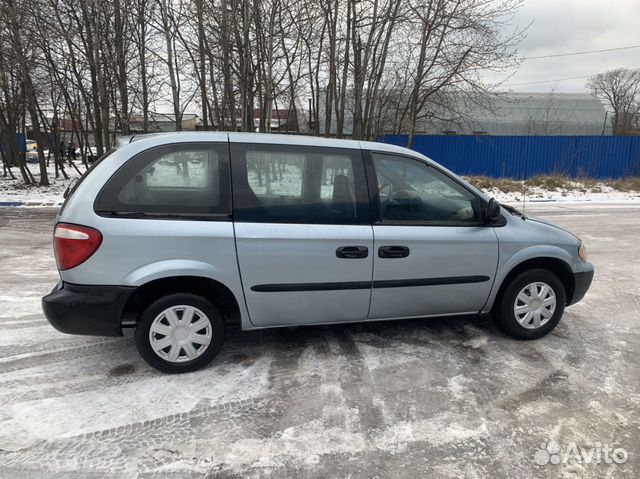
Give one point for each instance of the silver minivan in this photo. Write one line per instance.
(180, 235)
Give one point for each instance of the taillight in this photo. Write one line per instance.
(74, 244)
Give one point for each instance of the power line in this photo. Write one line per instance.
(560, 79)
(582, 53)
(549, 81)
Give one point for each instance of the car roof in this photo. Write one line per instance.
(265, 138)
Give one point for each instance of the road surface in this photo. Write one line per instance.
(419, 398)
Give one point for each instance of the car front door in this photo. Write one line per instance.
(432, 253)
(303, 234)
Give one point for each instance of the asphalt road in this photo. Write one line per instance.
(419, 398)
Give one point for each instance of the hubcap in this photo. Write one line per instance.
(535, 304)
(180, 333)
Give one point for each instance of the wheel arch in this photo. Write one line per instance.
(215, 291)
(556, 265)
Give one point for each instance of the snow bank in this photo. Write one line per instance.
(599, 193)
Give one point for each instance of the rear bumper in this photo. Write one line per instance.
(582, 281)
(90, 310)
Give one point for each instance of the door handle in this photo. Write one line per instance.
(352, 252)
(393, 252)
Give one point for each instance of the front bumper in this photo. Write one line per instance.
(581, 281)
(86, 309)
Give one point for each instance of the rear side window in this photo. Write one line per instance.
(275, 174)
(295, 184)
(180, 179)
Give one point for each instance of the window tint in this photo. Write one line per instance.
(275, 174)
(335, 169)
(188, 179)
(288, 184)
(183, 169)
(412, 191)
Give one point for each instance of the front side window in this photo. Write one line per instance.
(293, 184)
(187, 179)
(414, 192)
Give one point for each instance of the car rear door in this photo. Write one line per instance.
(303, 234)
(433, 254)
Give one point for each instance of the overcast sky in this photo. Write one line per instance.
(562, 26)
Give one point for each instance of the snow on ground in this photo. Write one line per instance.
(444, 398)
(579, 193)
(16, 192)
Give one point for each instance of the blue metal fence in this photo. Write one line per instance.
(527, 156)
(21, 143)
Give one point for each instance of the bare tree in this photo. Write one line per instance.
(458, 40)
(11, 111)
(93, 70)
(620, 90)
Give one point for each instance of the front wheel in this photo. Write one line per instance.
(532, 304)
(179, 333)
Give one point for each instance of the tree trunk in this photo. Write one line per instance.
(202, 64)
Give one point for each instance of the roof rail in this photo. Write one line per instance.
(126, 139)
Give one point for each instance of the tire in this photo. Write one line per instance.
(521, 326)
(165, 318)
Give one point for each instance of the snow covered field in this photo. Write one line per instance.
(577, 194)
(16, 193)
(422, 398)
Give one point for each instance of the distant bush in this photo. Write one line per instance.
(555, 182)
(626, 184)
(506, 185)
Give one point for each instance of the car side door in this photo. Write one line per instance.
(303, 234)
(433, 252)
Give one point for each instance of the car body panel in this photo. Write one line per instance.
(136, 251)
(467, 255)
(302, 259)
(521, 240)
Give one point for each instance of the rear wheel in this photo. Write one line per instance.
(532, 304)
(180, 332)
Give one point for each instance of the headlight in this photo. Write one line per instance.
(582, 251)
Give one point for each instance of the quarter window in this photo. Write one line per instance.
(185, 179)
(411, 191)
(182, 169)
(293, 184)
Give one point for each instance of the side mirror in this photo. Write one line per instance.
(492, 212)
